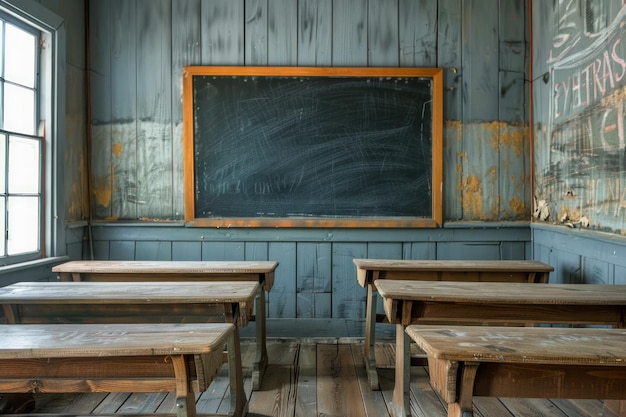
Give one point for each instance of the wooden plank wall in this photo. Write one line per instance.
(138, 48)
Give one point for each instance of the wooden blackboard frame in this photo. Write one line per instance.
(435, 220)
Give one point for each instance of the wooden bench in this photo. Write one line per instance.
(527, 362)
(495, 303)
(73, 358)
(370, 270)
(257, 271)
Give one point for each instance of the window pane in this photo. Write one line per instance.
(19, 109)
(19, 59)
(23, 165)
(3, 229)
(23, 223)
(3, 164)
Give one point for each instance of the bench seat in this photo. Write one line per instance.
(524, 362)
(72, 358)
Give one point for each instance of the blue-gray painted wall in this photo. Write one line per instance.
(136, 52)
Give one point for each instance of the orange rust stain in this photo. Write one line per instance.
(102, 191)
(117, 149)
(507, 135)
(518, 206)
(455, 125)
(472, 197)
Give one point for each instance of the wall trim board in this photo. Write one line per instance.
(160, 233)
(601, 246)
(326, 147)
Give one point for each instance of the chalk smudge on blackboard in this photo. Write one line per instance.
(332, 147)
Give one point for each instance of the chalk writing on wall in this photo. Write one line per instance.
(586, 173)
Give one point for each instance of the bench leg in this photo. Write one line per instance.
(463, 406)
(260, 362)
(238, 400)
(185, 398)
(400, 405)
(370, 339)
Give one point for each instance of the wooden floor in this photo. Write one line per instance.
(316, 378)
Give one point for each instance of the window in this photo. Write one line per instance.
(31, 115)
(20, 150)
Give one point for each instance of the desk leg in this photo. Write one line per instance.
(400, 404)
(261, 360)
(238, 399)
(370, 338)
(185, 398)
(463, 406)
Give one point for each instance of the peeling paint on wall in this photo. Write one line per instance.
(102, 191)
(472, 197)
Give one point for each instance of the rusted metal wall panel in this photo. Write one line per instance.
(580, 145)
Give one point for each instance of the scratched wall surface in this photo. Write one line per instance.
(579, 88)
(138, 49)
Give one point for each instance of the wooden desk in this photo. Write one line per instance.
(495, 303)
(259, 271)
(369, 270)
(62, 358)
(528, 362)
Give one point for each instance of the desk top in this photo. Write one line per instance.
(502, 292)
(168, 267)
(205, 292)
(87, 340)
(496, 266)
(604, 347)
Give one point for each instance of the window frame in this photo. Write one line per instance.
(51, 115)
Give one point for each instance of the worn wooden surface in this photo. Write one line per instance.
(496, 303)
(142, 302)
(484, 73)
(369, 270)
(467, 361)
(260, 271)
(300, 371)
(69, 358)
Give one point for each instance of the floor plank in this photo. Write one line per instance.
(312, 378)
(337, 382)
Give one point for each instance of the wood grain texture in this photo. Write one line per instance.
(222, 31)
(350, 28)
(382, 42)
(256, 29)
(186, 50)
(124, 110)
(282, 36)
(154, 109)
(315, 32)
(417, 36)
(102, 88)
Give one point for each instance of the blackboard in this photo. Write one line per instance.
(316, 147)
